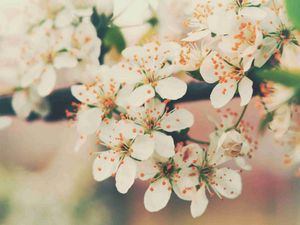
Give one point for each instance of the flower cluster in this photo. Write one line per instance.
(284, 119)
(252, 33)
(57, 35)
(129, 108)
(139, 146)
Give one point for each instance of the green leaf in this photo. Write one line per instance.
(296, 98)
(114, 38)
(196, 75)
(265, 122)
(153, 21)
(293, 9)
(184, 132)
(286, 78)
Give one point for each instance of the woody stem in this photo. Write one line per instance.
(60, 101)
(239, 120)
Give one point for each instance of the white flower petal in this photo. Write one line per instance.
(31, 75)
(83, 95)
(128, 129)
(122, 97)
(167, 71)
(228, 183)
(147, 169)
(245, 90)
(267, 49)
(199, 203)
(140, 95)
(223, 93)
(164, 144)
(65, 60)
(21, 104)
(191, 154)
(157, 195)
(253, 13)
(221, 22)
(89, 120)
(178, 120)
(133, 51)
(64, 18)
(185, 186)
(210, 70)
(242, 163)
(105, 165)
(47, 81)
(80, 142)
(171, 88)
(142, 147)
(196, 36)
(155, 107)
(126, 175)
(127, 73)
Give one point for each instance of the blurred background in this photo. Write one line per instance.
(44, 182)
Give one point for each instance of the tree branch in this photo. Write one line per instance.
(61, 100)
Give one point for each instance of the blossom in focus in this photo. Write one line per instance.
(149, 70)
(235, 141)
(127, 145)
(235, 146)
(230, 73)
(99, 98)
(164, 175)
(155, 119)
(243, 40)
(211, 177)
(208, 19)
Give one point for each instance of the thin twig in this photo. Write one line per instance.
(197, 141)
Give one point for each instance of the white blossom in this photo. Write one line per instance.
(211, 177)
(99, 98)
(230, 73)
(149, 68)
(155, 119)
(126, 147)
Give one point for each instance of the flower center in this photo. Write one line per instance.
(168, 169)
(285, 34)
(124, 148)
(108, 103)
(205, 173)
(48, 57)
(232, 148)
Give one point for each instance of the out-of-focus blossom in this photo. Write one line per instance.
(171, 25)
(278, 35)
